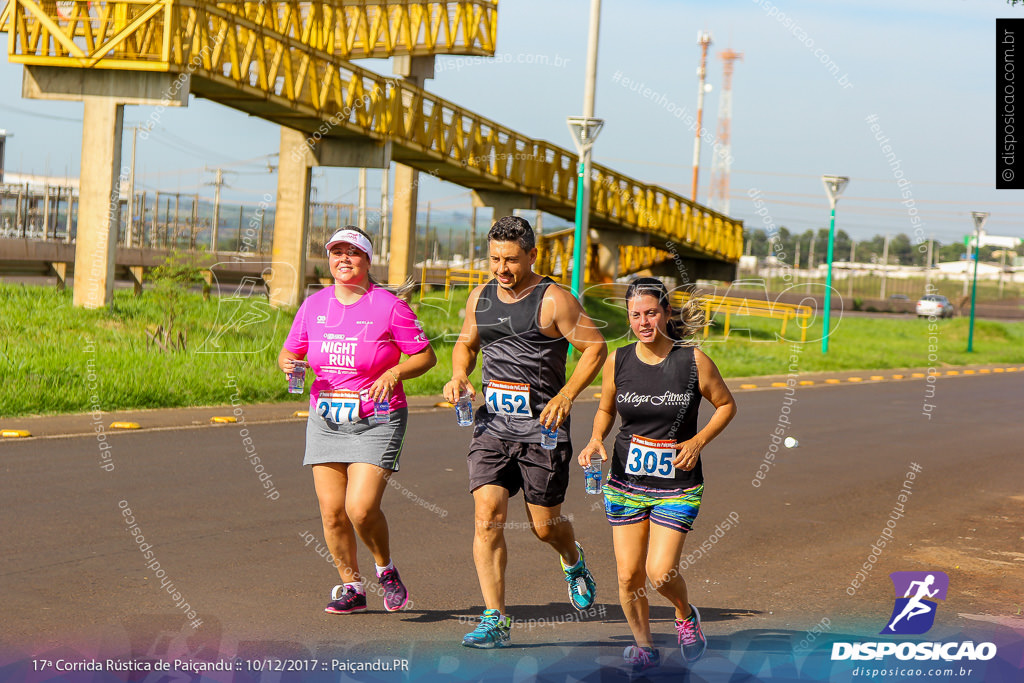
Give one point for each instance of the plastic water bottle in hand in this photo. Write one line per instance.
(592, 477)
(464, 410)
(297, 377)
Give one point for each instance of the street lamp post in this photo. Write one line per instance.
(979, 220)
(584, 132)
(834, 186)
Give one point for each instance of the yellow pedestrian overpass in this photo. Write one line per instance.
(288, 62)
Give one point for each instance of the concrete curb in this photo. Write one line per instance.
(82, 424)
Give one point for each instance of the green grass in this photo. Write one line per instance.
(55, 358)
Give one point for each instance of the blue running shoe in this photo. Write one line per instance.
(582, 589)
(494, 630)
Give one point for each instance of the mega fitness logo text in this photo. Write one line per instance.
(668, 398)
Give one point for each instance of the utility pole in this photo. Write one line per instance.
(426, 251)
(362, 199)
(810, 255)
(721, 159)
(928, 265)
(1002, 268)
(385, 245)
(217, 183)
(849, 274)
(704, 41)
(885, 263)
(472, 248)
(584, 133)
(131, 192)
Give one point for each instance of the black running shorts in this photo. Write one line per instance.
(543, 475)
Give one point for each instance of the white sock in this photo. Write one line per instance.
(357, 586)
(381, 570)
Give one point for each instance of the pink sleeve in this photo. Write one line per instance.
(406, 329)
(298, 338)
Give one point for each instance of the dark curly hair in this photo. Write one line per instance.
(513, 229)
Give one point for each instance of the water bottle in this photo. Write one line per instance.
(381, 412)
(592, 477)
(548, 438)
(297, 377)
(464, 410)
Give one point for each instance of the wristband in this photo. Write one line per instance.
(565, 397)
(394, 374)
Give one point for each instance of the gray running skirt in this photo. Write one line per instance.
(379, 445)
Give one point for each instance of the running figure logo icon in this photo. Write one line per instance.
(914, 612)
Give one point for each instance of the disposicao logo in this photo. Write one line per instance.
(913, 614)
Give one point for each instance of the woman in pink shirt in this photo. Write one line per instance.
(353, 336)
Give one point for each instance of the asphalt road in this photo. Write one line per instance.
(245, 560)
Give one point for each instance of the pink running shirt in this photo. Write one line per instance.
(350, 346)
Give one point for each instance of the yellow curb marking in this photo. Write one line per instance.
(300, 413)
(968, 372)
(833, 381)
(854, 379)
(897, 376)
(220, 419)
(917, 374)
(124, 425)
(985, 371)
(443, 404)
(952, 372)
(14, 433)
(806, 382)
(778, 384)
(876, 378)
(748, 386)
(999, 370)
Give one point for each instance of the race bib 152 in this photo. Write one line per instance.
(508, 398)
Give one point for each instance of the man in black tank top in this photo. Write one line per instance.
(524, 324)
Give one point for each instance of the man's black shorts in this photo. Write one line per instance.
(543, 475)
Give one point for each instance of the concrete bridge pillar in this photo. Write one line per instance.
(299, 153)
(608, 242)
(415, 70)
(291, 220)
(503, 203)
(104, 93)
(99, 202)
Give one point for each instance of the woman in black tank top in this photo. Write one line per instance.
(653, 492)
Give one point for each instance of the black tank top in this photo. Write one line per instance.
(516, 351)
(656, 403)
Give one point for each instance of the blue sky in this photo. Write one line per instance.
(925, 69)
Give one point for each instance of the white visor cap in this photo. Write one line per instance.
(354, 238)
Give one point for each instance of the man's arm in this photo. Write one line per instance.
(605, 417)
(568, 319)
(464, 352)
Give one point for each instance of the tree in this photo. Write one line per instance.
(900, 250)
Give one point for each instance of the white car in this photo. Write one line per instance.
(934, 305)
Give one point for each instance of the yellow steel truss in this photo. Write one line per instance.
(350, 29)
(261, 58)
